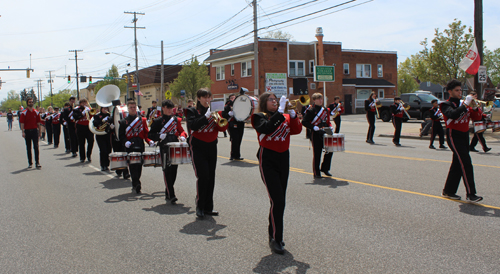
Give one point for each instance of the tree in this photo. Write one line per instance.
(492, 63)
(279, 35)
(59, 98)
(191, 78)
(13, 101)
(438, 62)
(407, 78)
(112, 72)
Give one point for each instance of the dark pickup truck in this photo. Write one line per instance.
(419, 102)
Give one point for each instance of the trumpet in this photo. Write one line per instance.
(336, 111)
(151, 117)
(303, 100)
(221, 122)
(91, 112)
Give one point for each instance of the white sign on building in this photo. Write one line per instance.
(277, 83)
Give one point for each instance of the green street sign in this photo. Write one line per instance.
(108, 78)
(324, 74)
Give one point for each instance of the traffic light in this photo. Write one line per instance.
(126, 78)
(69, 79)
(28, 73)
(90, 79)
(132, 78)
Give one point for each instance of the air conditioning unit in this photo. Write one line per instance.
(313, 85)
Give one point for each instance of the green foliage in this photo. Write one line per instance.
(112, 72)
(13, 101)
(492, 62)
(279, 35)
(438, 62)
(407, 77)
(58, 99)
(191, 78)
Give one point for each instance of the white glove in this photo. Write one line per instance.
(208, 113)
(151, 143)
(331, 128)
(106, 119)
(111, 126)
(292, 114)
(127, 144)
(71, 117)
(163, 136)
(372, 104)
(231, 113)
(468, 99)
(283, 103)
(316, 128)
(182, 139)
(65, 124)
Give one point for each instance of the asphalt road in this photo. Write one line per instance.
(380, 213)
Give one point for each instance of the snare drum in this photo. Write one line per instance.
(244, 106)
(334, 142)
(149, 158)
(496, 126)
(117, 160)
(479, 127)
(157, 158)
(135, 158)
(178, 153)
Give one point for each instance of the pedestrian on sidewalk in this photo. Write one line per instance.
(456, 116)
(10, 118)
(31, 131)
(437, 128)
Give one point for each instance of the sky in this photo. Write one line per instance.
(48, 29)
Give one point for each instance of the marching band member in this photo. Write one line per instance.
(274, 128)
(117, 146)
(478, 136)
(370, 107)
(397, 110)
(236, 129)
(56, 126)
(82, 128)
(48, 124)
(336, 107)
(42, 119)
(70, 124)
(133, 133)
(437, 128)
(316, 118)
(103, 141)
(153, 111)
(62, 120)
(456, 116)
(203, 131)
(166, 129)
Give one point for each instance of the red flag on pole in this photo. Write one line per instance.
(471, 61)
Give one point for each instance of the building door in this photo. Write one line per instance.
(300, 86)
(348, 103)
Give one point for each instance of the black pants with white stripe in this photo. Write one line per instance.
(169, 176)
(337, 120)
(437, 129)
(204, 157)
(461, 165)
(370, 116)
(317, 144)
(274, 170)
(478, 137)
(397, 123)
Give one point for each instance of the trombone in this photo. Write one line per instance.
(405, 107)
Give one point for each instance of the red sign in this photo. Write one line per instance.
(134, 85)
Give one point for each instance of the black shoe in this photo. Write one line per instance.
(326, 172)
(103, 168)
(451, 196)
(82, 161)
(443, 146)
(199, 213)
(89, 160)
(137, 189)
(126, 176)
(473, 149)
(173, 201)
(231, 158)
(317, 177)
(30, 166)
(56, 146)
(397, 144)
(487, 149)
(369, 141)
(118, 174)
(473, 198)
(106, 168)
(239, 159)
(74, 155)
(37, 165)
(49, 144)
(432, 147)
(67, 151)
(211, 213)
(276, 247)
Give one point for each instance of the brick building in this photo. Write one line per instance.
(287, 67)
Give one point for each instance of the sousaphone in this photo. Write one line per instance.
(104, 98)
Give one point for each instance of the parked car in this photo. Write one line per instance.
(420, 104)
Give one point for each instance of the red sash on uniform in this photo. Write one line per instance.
(134, 128)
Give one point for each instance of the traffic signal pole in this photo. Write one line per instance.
(135, 27)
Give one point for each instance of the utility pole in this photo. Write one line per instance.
(50, 82)
(39, 88)
(255, 49)
(162, 70)
(76, 64)
(135, 27)
(478, 34)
